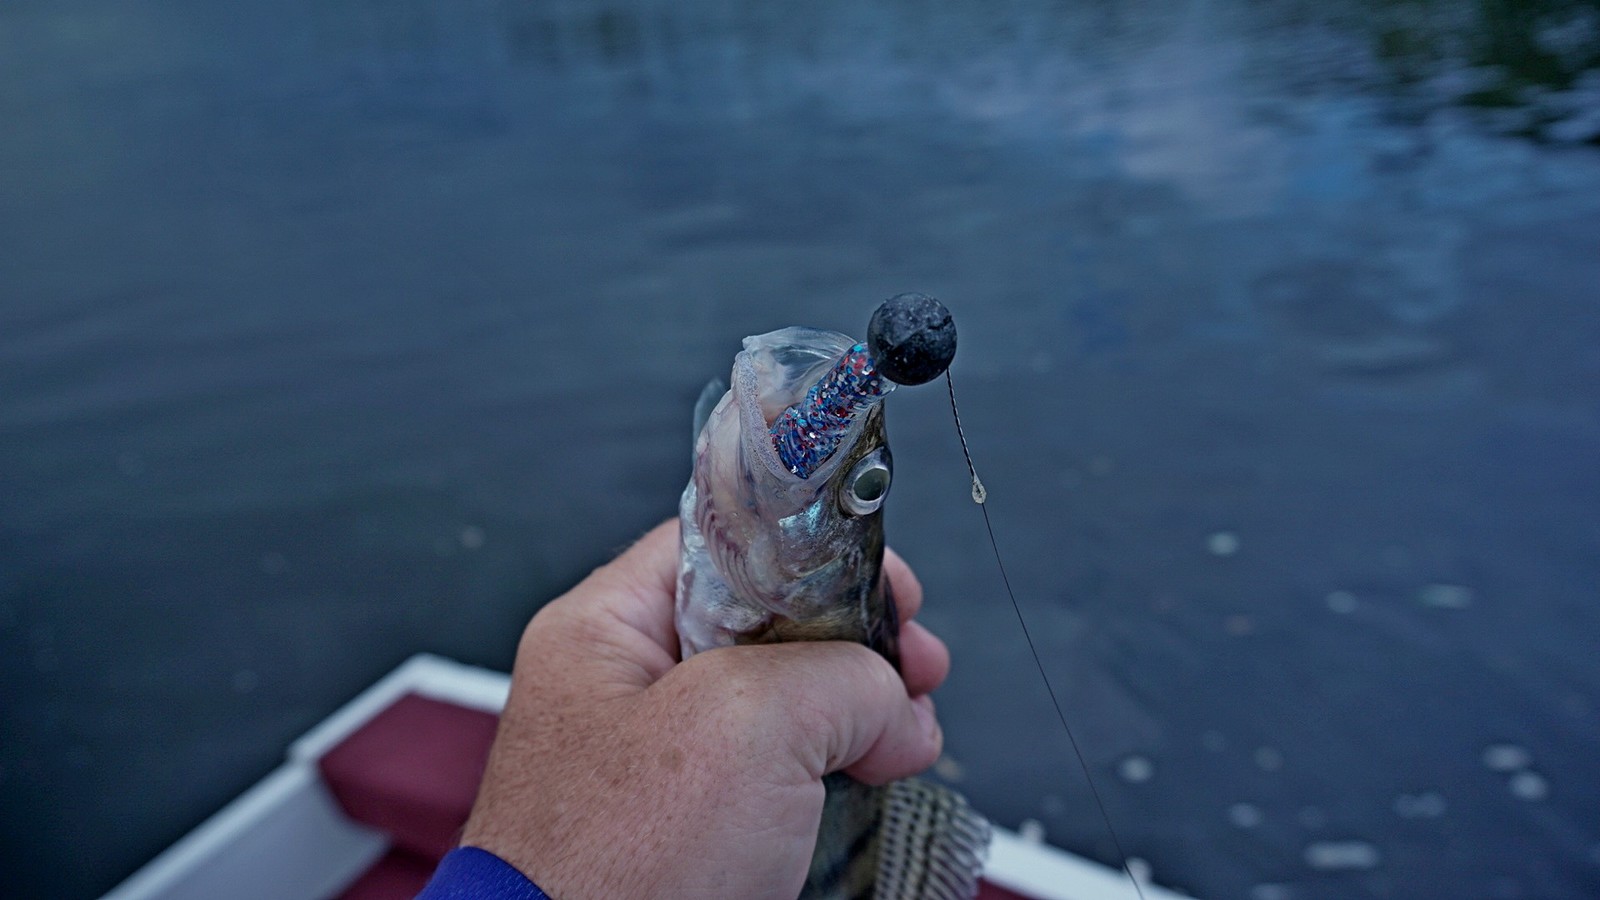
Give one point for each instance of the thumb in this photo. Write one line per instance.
(849, 711)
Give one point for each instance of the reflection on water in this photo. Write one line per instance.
(1532, 68)
(1520, 67)
(337, 331)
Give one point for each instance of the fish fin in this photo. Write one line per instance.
(932, 845)
(710, 396)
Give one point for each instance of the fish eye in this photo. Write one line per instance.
(867, 486)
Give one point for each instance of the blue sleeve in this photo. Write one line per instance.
(468, 873)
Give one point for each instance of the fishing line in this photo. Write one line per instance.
(979, 495)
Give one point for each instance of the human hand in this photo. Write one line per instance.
(620, 772)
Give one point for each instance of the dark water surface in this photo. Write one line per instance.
(331, 332)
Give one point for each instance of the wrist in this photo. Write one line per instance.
(473, 873)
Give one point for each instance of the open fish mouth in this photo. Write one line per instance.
(776, 382)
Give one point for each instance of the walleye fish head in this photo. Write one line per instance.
(796, 547)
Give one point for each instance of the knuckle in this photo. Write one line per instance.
(876, 674)
(547, 622)
(810, 715)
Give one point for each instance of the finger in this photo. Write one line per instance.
(838, 706)
(903, 584)
(649, 568)
(924, 659)
(628, 602)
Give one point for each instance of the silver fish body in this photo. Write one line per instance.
(768, 555)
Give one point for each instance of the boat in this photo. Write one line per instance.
(370, 799)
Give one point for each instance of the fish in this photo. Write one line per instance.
(782, 540)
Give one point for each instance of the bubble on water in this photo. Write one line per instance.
(1136, 770)
(1271, 892)
(1268, 759)
(1342, 602)
(244, 681)
(274, 563)
(1311, 818)
(1446, 596)
(1223, 543)
(1214, 741)
(1529, 786)
(1031, 831)
(948, 769)
(1328, 856)
(1245, 815)
(472, 537)
(1506, 757)
(1239, 625)
(1426, 805)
